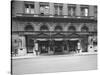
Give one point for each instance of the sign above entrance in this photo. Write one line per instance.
(58, 39)
(74, 39)
(42, 39)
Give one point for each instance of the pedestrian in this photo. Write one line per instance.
(16, 51)
(34, 52)
(78, 50)
(78, 47)
(36, 48)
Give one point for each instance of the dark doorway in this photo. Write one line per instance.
(72, 45)
(29, 43)
(58, 46)
(43, 46)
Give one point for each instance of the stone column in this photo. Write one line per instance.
(65, 9)
(37, 8)
(78, 10)
(51, 8)
(51, 28)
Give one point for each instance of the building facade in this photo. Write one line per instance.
(53, 27)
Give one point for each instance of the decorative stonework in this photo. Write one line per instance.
(19, 25)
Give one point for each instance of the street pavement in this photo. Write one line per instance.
(55, 63)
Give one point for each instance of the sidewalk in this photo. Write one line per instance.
(34, 56)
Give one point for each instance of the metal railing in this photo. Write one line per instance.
(55, 16)
(54, 32)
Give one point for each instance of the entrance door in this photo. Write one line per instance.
(29, 44)
(58, 46)
(43, 46)
(72, 45)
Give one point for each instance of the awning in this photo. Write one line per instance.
(42, 39)
(59, 39)
(74, 39)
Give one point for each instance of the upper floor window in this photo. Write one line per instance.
(29, 8)
(84, 11)
(71, 10)
(44, 8)
(58, 9)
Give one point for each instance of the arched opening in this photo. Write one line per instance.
(71, 28)
(84, 29)
(29, 28)
(58, 28)
(44, 28)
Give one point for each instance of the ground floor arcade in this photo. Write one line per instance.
(56, 44)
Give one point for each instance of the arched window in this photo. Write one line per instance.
(71, 28)
(84, 29)
(44, 28)
(58, 28)
(29, 28)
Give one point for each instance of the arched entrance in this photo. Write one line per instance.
(84, 29)
(58, 43)
(29, 38)
(43, 41)
(71, 28)
(73, 41)
(44, 28)
(29, 28)
(58, 28)
(43, 46)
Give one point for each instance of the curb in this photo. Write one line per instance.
(27, 57)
